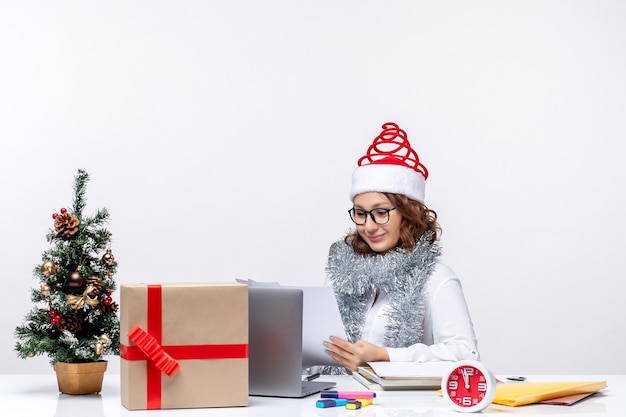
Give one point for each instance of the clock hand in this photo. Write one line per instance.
(465, 378)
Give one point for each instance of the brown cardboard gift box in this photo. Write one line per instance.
(195, 332)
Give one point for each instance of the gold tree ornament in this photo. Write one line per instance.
(45, 290)
(102, 342)
(49, 268)
(108, 258)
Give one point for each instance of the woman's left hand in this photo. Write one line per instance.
(353, 355)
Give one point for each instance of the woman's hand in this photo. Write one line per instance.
(353, 355)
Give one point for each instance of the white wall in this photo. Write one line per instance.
(221, 136)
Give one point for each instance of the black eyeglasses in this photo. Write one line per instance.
(379, 216)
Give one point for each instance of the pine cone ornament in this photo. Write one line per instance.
(70, 322)
(66, 225)
(96, 283)
(109, 309)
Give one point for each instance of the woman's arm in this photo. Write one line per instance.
(448, 329)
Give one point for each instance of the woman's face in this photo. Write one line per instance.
(380, 238)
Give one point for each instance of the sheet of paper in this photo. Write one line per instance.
(320, 319)
(569, 400)
(410, 369)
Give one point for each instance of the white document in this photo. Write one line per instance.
(320, 320)
(410, 369)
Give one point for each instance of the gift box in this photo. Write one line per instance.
(183, 345)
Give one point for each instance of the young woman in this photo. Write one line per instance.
(397, 300)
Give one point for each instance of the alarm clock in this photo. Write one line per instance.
(468, 386)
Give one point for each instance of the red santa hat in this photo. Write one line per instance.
(390, 166)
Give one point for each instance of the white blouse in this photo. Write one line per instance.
(448, 329)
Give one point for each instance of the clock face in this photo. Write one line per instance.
(468, 386)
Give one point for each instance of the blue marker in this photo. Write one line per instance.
(331, 402)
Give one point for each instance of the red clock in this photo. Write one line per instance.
(468, 386)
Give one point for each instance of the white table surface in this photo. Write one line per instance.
(37, 395)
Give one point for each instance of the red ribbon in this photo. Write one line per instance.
(163, 358)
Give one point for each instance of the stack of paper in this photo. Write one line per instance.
(402, 375)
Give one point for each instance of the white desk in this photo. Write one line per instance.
(37, 395)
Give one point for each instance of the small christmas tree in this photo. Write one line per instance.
(75, 319)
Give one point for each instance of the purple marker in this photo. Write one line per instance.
(349, 395)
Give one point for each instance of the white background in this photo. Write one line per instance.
(221, 136)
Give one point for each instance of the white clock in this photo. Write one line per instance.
(468, 386)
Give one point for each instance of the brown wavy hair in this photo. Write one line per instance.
(417, 219)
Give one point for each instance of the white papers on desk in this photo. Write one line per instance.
(410, 369)
(402, 375)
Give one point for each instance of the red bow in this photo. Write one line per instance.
(154, 351)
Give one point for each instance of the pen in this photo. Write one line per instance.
(349, 395)
(330, 402)
(312, 377)
(360, 403)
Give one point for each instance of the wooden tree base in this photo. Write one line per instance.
(80, 378)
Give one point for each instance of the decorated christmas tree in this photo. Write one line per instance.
(75, 318)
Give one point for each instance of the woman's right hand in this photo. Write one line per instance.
(353, 355)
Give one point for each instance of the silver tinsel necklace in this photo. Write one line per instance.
(400, 274)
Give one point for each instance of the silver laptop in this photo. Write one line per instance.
(275, 343)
